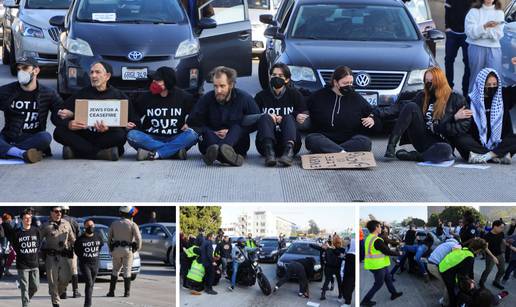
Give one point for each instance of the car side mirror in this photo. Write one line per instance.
(434, 35)
(267, 19)
(207, 23)
(273, 32)
(162, 234)
(11, 4)
(57, 21)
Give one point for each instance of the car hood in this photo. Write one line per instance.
(286, 258)
(40, 18)
(380, 56)
(120, 39)
(268, 249)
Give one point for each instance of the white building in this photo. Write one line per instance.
(263, 223)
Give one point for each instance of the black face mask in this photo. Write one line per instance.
(90, 230)
(277, 82)
(346, 90)
(491, 91)
(430, 87)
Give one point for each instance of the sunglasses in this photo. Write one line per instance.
(57, 211)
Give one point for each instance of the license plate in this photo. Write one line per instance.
(134, 73)
(372, 98)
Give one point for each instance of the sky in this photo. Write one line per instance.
(331, 218)
(395, 213)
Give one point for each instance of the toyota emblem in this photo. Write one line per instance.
(135, 56)
(363, 80)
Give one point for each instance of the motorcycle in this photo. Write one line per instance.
(249, 272)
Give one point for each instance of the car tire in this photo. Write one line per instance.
(133, 276)
(171, 257)
(5, 53)
(263, 73)
(12, 59)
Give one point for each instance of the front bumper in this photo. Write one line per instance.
(44, 50)
(106, 266)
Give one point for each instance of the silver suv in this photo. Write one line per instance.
(27, 32)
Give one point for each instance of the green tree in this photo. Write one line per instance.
(454, 214)
(194, 218)
(433, 221)
(413, 220)
(313, 228)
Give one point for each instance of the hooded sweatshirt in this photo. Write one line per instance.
(339, 117)
(474, 26)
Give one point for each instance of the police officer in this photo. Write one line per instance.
(57, 250)
(124, 240)
(250, 242)
(73, 261)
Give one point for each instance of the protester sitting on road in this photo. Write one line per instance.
(302, 270)
(340, 116)
(222, 118)
(435, 115)
(26, 104)
(97, 142)
(283, 107)
(490, 137)
(158, 128)
(239, 254)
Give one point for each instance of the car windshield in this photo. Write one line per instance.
(171, 229)
(353, 23)
(419, 10)
(130, 11)
(48, 4)
(302, 249)
(269, 243)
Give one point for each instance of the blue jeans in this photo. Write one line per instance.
(235, 271)
(454, 41)
(166, 146)
(419, 250)
(39, 140)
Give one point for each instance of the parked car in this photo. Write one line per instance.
(378, 39)
(298, 250)
(268, 250)
(102, 219)
(508, 43)
(420, 11)
(2, 12)
(257, 8)
(159, 242)
(27, 32)
(139, 36)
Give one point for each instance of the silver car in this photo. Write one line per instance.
(2, 12)
(27, 32)
(159, 242)
(508, 43)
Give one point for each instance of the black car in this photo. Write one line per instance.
(138, 36)
(268, 250)
(378, 39)
(298, 250)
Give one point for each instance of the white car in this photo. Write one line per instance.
(27, 32)
(257, 8)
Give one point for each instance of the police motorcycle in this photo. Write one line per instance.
(250, 272)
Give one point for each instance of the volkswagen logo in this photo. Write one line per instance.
(135, 56)
(363, 79)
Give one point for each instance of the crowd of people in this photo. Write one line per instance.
(445, 253)
(66, 252)
(207, 258)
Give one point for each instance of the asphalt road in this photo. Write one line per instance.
(418, 293)
(192, 181)
(153, 287)
(253, 297)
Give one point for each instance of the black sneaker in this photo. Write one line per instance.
(211, 291)
(498, 285)
(109, 154)
(32, 155)
(229, 155)
(63, 296)
(211, 155)
(368, 303)
(396, 295)
(143, 154)
(413, 155)
(68, 153)
(180, 155)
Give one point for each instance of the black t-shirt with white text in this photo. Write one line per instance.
(26, 244)
(290, 102)
(87, 248)
(26, 105)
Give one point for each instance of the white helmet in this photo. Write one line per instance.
(65, 207)
(130, 210)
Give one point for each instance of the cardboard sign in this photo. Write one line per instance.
(344, 160)
(114, 113)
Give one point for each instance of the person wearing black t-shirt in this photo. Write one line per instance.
(158, 129)
(26, 104)
(97, 142)
(282, 106)
(495, 239)
(87, 248)
(26, 243)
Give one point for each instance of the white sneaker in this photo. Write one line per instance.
(475, 158)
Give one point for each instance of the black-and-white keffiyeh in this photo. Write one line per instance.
(479, 110)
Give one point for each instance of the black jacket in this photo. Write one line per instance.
(455, 12)
(207, 252)
(47, 98)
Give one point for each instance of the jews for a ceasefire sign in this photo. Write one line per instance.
(343, 160)
(114, 113)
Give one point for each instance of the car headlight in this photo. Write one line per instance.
(187, 48)
(317, 267)
(302, 73)
(28, 30)
(78, 46)
(281, 264)
(416, 77)
(274, 252)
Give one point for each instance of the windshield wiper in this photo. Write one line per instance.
(139, 21)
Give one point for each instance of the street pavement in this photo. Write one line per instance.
(154, 287)
(418, 293)
(253, 297)
(192, 181)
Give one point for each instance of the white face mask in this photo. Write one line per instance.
(24, 77)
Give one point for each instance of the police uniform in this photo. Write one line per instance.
(73, 261)
(58, 250)
(124, 240)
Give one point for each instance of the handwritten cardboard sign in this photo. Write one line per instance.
(340, 160)
(114, 112)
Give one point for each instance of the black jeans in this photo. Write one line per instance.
(319, 143)
(455, 41)
(86, 143)
(210, 275)
(466, 143)
(381, 276)
(348, 278)
(329, 271)
(237, 137)
(89, 272)
(295, 270)
(288, 132)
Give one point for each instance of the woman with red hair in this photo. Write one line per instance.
(436, 115)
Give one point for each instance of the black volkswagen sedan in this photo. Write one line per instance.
(378, 39)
